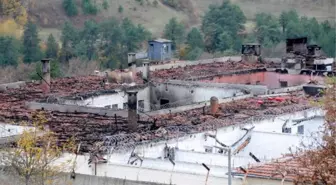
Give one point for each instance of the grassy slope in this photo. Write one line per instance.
(50, 14)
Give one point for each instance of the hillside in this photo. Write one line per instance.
(50, 15)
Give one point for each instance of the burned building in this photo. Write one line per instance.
(251, 51)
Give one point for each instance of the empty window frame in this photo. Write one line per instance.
(115, 107)
(301, 129)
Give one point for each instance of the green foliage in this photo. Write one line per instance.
(70, 7)
(193, 53)
(55, 71)
(89, 36)
(267, 30)
(118, 39)
(174, 31)
(89, 7)
(52, 47)
(31, 48)
(269, 34)
(120, 9)
(219, 22)
(195, 39)
(105, 5)
(9, 51)
(69, 40)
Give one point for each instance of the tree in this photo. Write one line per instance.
(34, 152)
(70, 7)
(13, 9)
(226, 18)
(89, 37)
(52, 47)
(118, 39)
(89, 7)
(267, 29)
(31, 47)
(174, 31)
(295, 29)
(69, 40)
(195, 39)
(287, 16)
(9, 51)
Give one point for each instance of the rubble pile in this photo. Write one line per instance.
(186, 72)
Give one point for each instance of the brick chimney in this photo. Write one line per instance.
(213, 105)
(45, 75)
(132, 111)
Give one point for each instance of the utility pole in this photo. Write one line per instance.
(229, 164)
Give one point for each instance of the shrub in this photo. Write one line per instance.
(105, 4)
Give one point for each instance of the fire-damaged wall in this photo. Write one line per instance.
(114, 100)
(172, 95)
(270, 79)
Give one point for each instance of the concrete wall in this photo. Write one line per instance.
(184, 94)
(74, 108)
(269, 79)
(190, 154)
(254, 89)
(197, 105)
(119, 99)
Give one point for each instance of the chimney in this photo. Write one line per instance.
(145, 71)
(132, 111)
(134, 71)
(213, 105)
(45, 75)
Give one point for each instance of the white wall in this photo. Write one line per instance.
(185, 94)
(7, 130)
(110, 99)
(267, 142)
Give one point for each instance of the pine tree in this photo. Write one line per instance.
(52, 47)
(31, 48)
(70, 7)
(195, 39)
(9, 51)
(174, 31)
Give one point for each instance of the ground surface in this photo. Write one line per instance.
(50, 14)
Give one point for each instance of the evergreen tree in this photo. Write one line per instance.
(31, 48)
(70, 7)
(89, 37)
(195, 39)
(52, 47)
(174, 31)
(89, 7)
(222, 21)
(9, 51)
(69, 41)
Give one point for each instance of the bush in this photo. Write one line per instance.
(172, 3)
(70, 7)
(89, 7)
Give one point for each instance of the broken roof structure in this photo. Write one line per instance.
(122, 117)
